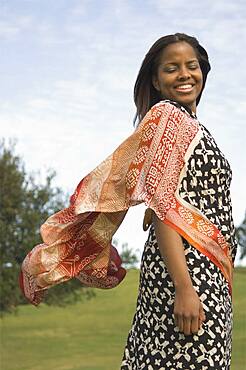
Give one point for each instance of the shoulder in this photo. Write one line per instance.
(167, 112)
(171, 106)
(175, 120)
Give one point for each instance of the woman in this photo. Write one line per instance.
(184, 310)
(172, 164)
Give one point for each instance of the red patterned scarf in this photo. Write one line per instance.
(147, 167)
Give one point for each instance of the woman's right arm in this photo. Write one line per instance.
(188, 309)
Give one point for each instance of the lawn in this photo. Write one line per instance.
(91, 335)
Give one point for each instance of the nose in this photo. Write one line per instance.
(184, 74)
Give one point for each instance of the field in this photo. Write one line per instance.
(91, 335)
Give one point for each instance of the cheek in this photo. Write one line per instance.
(201, 84)
(199, 81)
(166, 84)
(200, 78)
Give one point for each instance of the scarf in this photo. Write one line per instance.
(147, 167)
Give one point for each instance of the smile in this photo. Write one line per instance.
(184, 88)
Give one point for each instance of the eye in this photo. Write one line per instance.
(169, 69)
(193, 66)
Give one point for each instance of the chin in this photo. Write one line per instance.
(187, 102)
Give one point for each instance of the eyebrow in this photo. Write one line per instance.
(189, 61)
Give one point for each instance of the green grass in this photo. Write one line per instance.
(239, 329)
(90, 335)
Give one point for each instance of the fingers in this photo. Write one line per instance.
(195, 325)
(181, 323)
(189, 325)
(201, 313)
(184, 324)
(189, 317)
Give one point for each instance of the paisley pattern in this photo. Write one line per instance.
(154, 342)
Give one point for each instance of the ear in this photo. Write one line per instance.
(155, 83)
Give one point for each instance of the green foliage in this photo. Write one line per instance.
(129, 258)
(24, 205)
(241, 237)
(68, 293)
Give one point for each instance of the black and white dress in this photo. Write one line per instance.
(154, 342)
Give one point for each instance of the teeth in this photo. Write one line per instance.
(184, 87)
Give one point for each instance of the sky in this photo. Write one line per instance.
(68, 69)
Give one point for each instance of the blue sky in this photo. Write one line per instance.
(68, 68)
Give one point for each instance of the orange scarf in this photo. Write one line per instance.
(147, 167)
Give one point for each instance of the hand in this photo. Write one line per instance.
(188, 310)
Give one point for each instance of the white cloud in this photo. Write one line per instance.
(8, 30)
(39, 103)
(12, 25)
(80, 8)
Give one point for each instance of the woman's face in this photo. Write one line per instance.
(179, 76)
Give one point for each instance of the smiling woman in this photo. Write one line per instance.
(179, 76)
(171, 162)
(183, 317)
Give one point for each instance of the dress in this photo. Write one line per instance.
(154, 343)
(172, 164)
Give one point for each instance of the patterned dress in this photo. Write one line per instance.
(154, 342)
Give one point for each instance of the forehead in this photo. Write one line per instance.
(178, 51)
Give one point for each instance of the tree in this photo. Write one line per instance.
(241, 237)
(129, 258)
(24, 205)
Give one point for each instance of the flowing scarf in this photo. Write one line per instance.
(147, 167)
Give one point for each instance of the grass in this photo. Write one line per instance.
(239, 321)
(91, 335)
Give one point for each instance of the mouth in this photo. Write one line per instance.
(185, 88)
